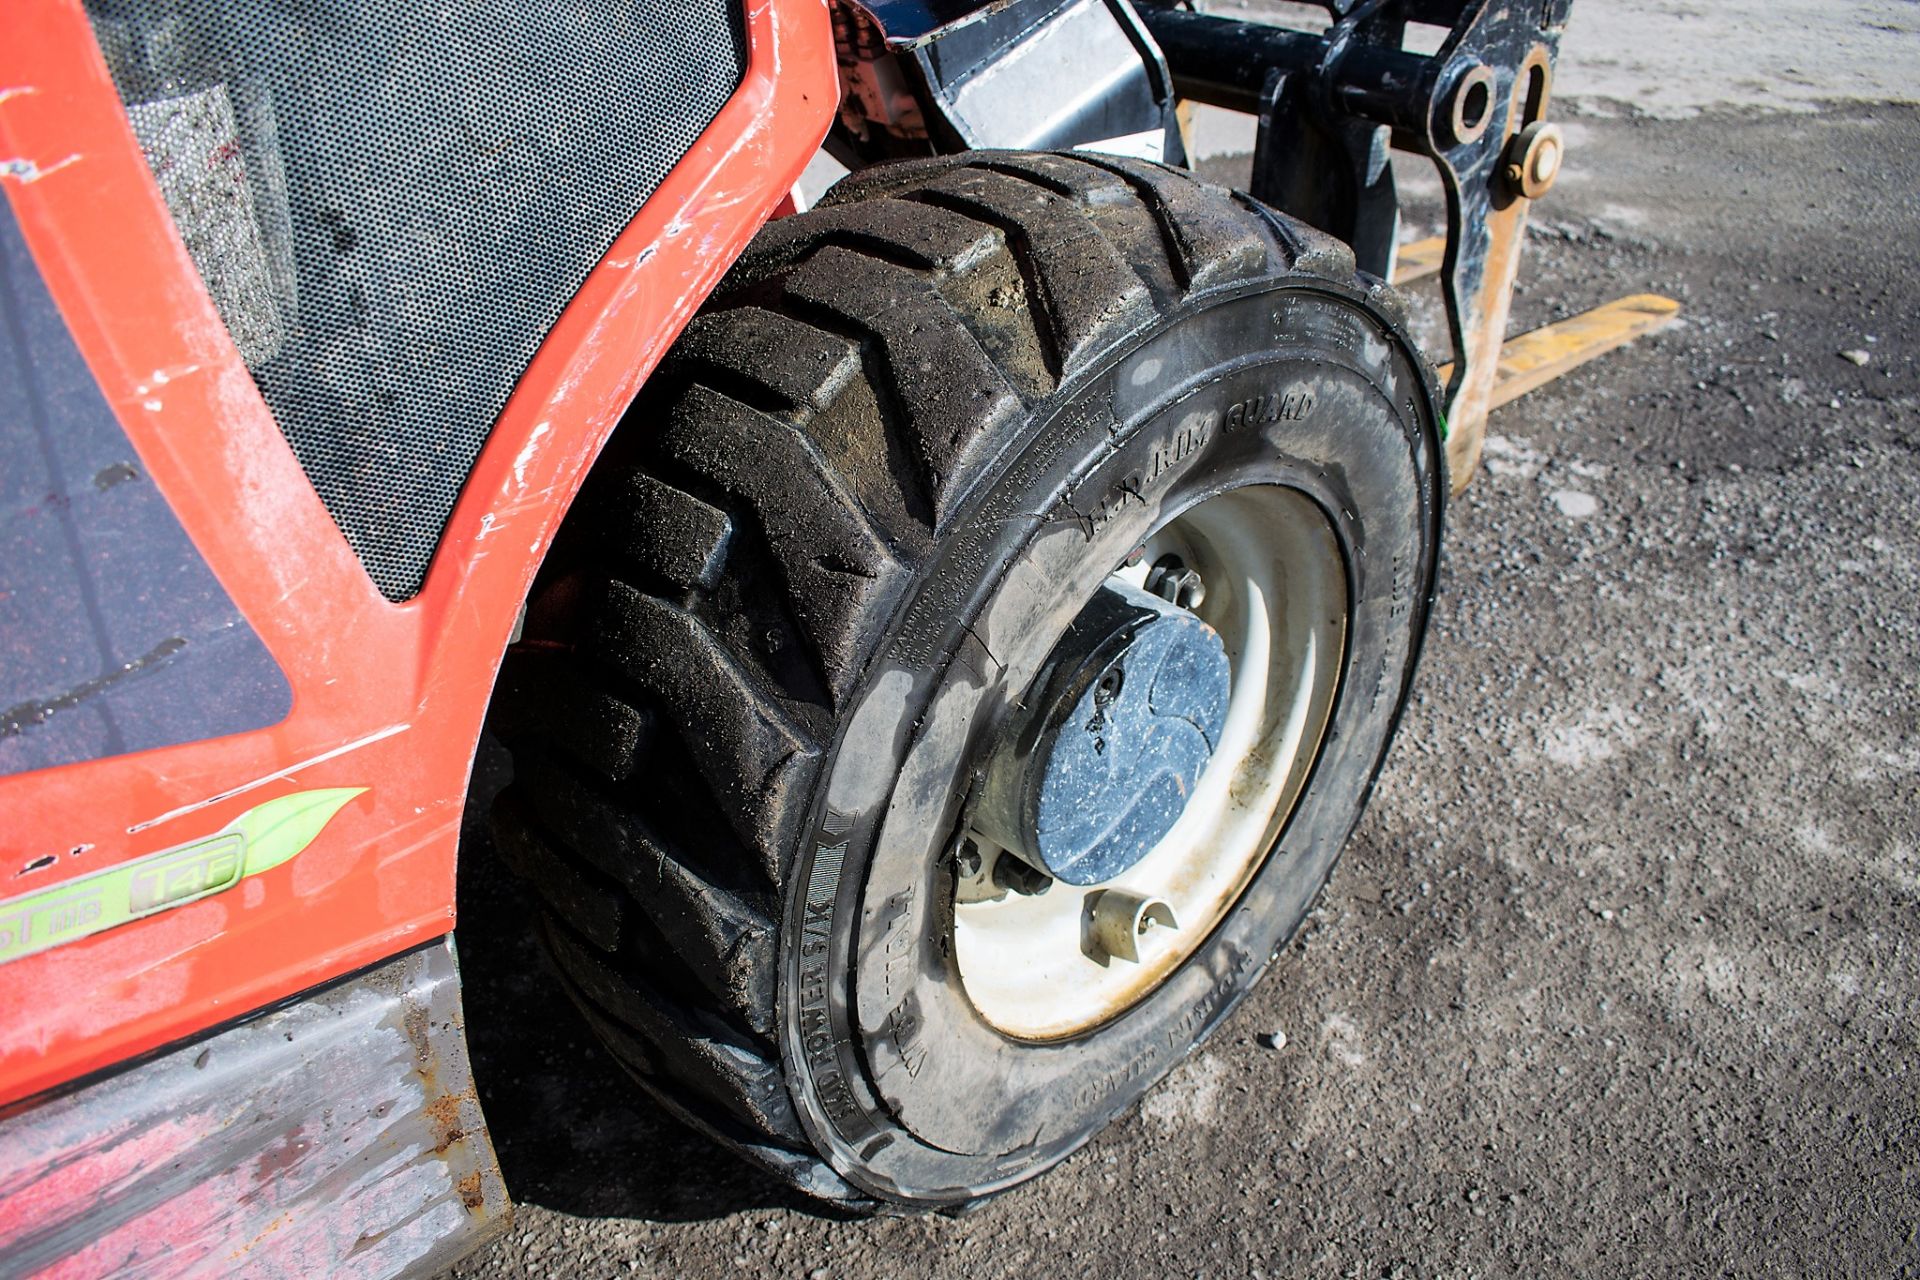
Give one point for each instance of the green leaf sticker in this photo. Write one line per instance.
(261, 838)
(279, 829)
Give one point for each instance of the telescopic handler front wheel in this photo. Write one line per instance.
(962, 673)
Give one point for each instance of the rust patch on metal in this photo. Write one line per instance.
(416, 1026)
(471, 1193)
(446, 1113)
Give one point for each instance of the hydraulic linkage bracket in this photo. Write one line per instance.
(1330, 105)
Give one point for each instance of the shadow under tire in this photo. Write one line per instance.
(811, 586)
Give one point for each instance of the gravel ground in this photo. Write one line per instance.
(1618, 975)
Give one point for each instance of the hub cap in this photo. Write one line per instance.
(1134, 702)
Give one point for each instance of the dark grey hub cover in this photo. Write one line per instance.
(1131, 707)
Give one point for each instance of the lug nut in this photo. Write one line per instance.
(974, 880)
(1171, 580)
(1012, 874)
(967, 861)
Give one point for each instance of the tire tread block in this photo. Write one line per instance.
(1310, 249)
(950, 397)
(666, 1036)
(774, 362)
(834, 564)
(577, 894)
(724, 936)
(1127, 222)
(754, 755)
(1213, 241)
(665, 532)
(913, 236)
(542, 693)
(1091, 296)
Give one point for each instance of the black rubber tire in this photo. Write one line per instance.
(786, 557)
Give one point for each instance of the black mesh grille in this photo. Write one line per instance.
(392, 201)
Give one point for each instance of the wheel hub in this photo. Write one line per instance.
(1134, 699)
(1068, 911)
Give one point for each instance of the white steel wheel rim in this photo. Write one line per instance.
(1276, 592)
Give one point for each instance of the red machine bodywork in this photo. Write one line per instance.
(387, 697)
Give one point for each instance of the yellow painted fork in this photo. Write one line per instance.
(1531, 360)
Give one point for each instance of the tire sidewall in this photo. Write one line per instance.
(905, 1089)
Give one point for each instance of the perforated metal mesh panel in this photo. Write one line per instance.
(392, 201)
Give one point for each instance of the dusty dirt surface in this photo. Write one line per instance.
(1619, 974)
